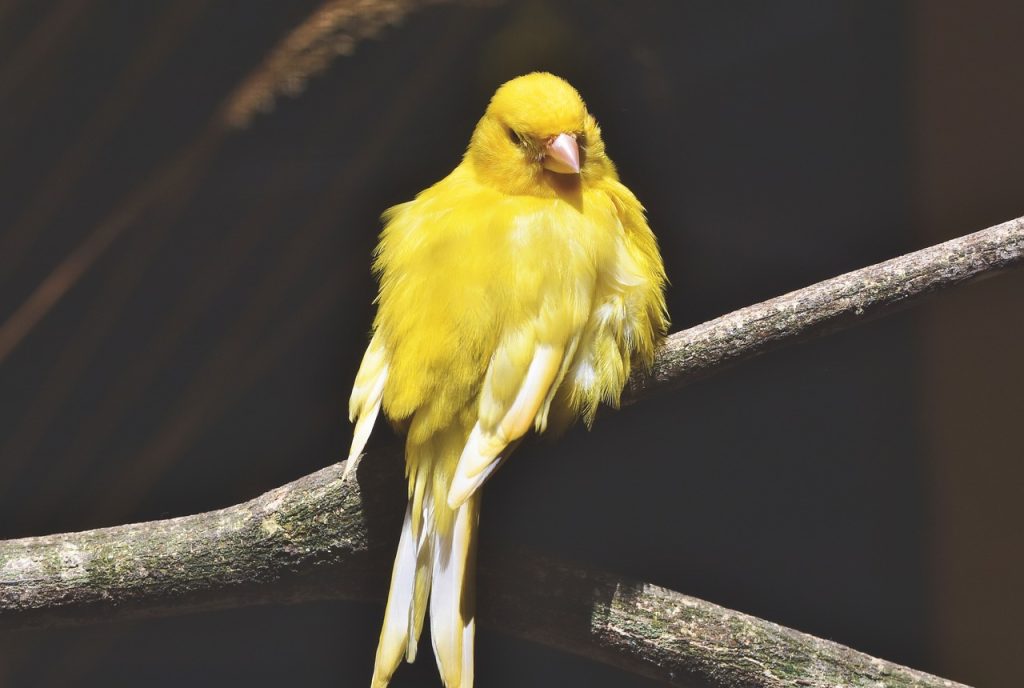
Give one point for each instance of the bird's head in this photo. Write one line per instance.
(537, 137)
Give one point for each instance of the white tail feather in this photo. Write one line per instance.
(421, 587)
(452, 597)
(394, 636)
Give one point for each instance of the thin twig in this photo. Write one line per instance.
(166, 181)
(168, 29)
(333, 29)
(284, 70)
(234, 363)
(323, 538)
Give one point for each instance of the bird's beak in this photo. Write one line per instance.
(562, 155)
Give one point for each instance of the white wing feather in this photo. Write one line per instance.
(364, 404)
(486, 446)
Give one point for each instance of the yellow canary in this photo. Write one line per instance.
(516, 291)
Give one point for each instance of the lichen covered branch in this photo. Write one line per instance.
(669, 637)
(317, 538)
(324, 538)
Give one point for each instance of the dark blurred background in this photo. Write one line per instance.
(185, 294)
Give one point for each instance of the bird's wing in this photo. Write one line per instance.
(367, 393)
(520, 383)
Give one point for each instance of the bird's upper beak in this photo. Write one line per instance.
(562, 155)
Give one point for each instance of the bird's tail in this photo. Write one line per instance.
(436, 560)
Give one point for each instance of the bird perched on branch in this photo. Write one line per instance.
(515, 293)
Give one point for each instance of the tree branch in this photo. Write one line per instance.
(828, 306)
(322, 538)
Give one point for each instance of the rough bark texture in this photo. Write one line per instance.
(322, 538)
(670, 637)
(314, 538)
(317, 538)
(825, 307)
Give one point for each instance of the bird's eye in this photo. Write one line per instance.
(514, 136)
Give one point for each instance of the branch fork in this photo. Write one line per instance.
(325, 537)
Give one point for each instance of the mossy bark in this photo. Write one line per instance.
(306, 540)
(322, 537)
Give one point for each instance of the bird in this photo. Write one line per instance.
(515, 294)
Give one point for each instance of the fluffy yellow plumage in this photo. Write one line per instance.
(514, 293)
